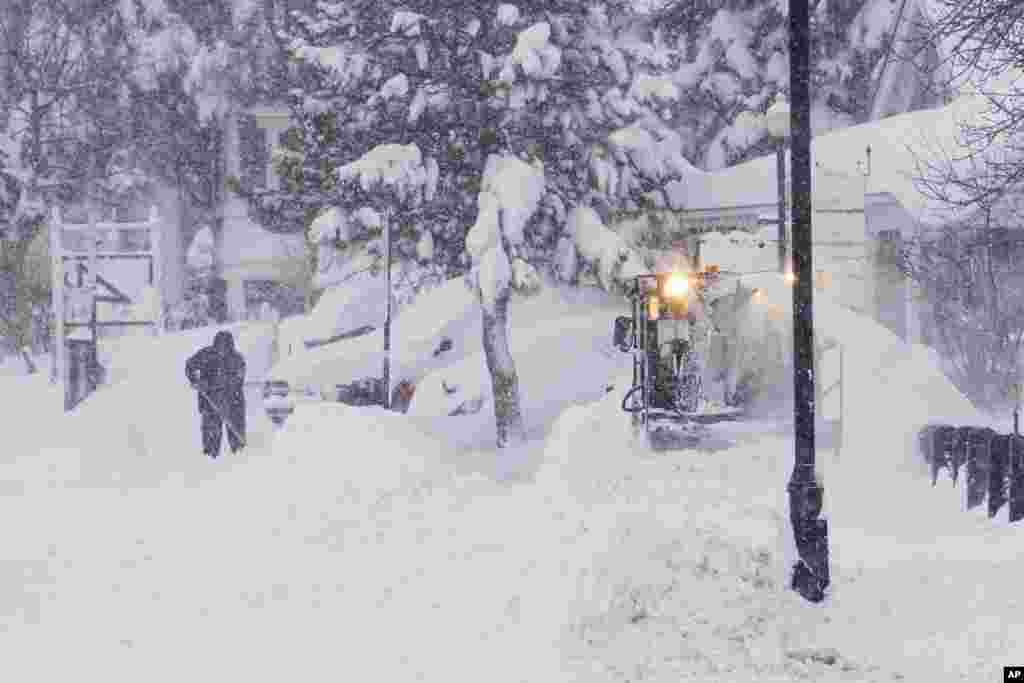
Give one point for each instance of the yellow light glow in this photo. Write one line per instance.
(653, 308)
(676, 286)
(790, 277)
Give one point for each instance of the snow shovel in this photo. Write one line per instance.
(227, 423)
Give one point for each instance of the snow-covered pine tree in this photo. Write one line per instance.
(195, 62)
(733, 59)
(560, 101)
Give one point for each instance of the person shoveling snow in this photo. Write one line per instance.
(217, 373)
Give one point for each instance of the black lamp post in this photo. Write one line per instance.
(386, 219)
(811, 570)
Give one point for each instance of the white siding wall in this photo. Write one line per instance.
(840, 236)
(249, 251)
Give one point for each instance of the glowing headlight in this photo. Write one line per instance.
(676, 286)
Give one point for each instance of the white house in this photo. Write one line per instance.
(254, 260)
(865, 206)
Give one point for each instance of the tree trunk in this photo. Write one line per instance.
(504, 380)
(219, 195)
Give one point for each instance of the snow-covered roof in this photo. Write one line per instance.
(897, 143)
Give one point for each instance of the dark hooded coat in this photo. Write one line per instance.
(219, 372)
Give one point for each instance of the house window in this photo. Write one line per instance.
(253, 154)
(890, 249)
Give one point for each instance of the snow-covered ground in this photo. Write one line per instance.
(358, 544)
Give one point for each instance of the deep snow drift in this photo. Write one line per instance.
(360, 544)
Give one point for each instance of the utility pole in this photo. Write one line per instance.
(780, 165)
(387, 308)
(811, 571)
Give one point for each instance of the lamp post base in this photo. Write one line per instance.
(810, 572)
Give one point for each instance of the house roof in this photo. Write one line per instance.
(897, 144)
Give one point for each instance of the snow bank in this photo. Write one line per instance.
(559, 362)
(361, 526)
(446, 312)
(422, 546)
(357, 303)
(652, 551)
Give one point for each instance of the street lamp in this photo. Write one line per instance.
(810, 575)
(776, 120)
(387, 306)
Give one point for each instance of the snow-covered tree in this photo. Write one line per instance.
(969, 273)
(970, 282)
(731, 58)
(196, 63)
(981, 46)
(62, 126)
(483, 94)
(510, 195)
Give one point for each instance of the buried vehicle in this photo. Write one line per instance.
(680, 385)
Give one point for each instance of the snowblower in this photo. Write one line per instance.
(668, 337)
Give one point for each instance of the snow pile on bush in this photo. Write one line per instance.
(449, 312)
(360, 302)
(561, 353)
(609, 255)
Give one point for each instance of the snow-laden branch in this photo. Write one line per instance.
(510, 194)
(533, 52)
(394, 168)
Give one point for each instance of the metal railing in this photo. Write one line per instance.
(994, 464)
